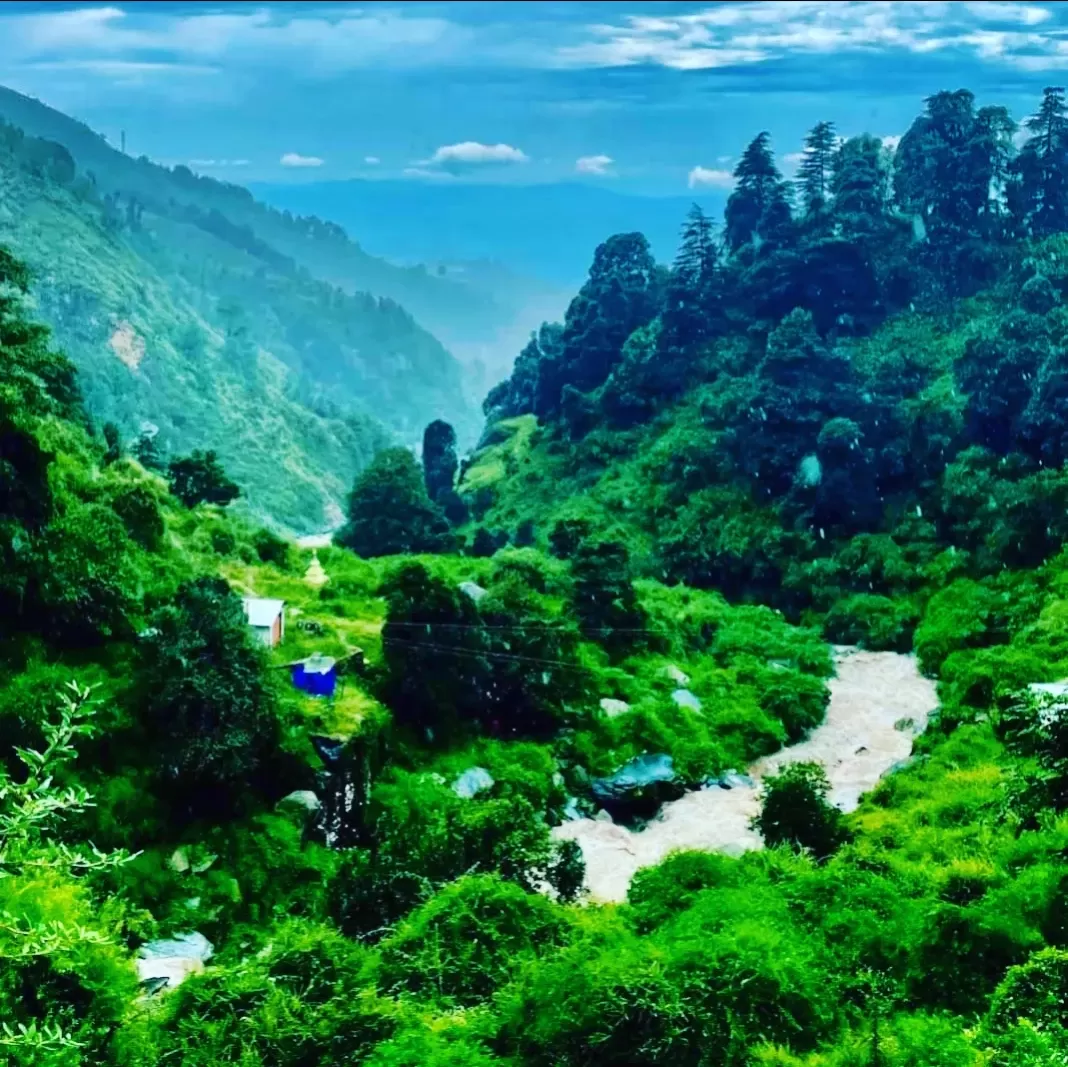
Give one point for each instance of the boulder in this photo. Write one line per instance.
(473, 781)
(303, 803)
(612, 708)
(328, 749)
(731, 780)
(685, 699)
(171, 961)
(473, 590)
(674, 674)
(639, 787)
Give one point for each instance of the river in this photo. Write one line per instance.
(879, 702)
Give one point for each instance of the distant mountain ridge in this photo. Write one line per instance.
(545, 231)
(190, 307)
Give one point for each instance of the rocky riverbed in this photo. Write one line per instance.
(879, 702)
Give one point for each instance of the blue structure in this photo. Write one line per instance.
(316, 675)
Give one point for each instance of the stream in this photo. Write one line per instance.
(879, 703)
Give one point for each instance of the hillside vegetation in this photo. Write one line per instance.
(193, 310)
(874, 461)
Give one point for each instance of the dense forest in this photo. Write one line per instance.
(833, 421)
(211, 321)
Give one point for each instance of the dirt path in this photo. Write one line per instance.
(879, 702)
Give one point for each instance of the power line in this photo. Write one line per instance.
(530, 626)
(476, 654)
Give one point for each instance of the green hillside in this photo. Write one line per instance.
(840, 423)
(183, 317)
(446, 306)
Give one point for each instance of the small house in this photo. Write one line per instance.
(267, 619)
(316, 675)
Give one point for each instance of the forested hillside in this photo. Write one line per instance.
(839, 423)
(192, 310)
(854, 390)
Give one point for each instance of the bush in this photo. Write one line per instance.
(468, 940)
(210, 717)
(873, 622)
(271, 548)
(794, 811)
(659, 893)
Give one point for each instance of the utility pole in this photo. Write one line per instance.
(122, 138)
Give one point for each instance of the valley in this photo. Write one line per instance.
(700, 704)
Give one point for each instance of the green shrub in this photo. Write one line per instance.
(873, 622)
(468, 940)
(659, 893)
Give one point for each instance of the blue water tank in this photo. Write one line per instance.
(316, 675)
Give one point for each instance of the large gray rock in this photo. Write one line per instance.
(473, 781)
(170, 962)
(303, 803)
(639, 787)
(473, 590)
(674, 674)
(685, 699)
(612, 708)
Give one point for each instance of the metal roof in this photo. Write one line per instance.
(261, 611)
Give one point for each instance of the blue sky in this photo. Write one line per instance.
(648, 97)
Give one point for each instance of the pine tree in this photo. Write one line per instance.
(1048, 123)
(994, 130)
(859, 183)
(815, 170)
(1039, 193)
(697, 257)
(936, 176)
(759, 187)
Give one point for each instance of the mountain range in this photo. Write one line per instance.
(540, 231)
(193, 310)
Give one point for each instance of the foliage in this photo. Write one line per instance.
(468, 940)
(199, 478)
(794, 810)
(390, 512)
(211, 320)
(209, 713)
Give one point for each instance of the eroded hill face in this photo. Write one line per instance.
(192, 309)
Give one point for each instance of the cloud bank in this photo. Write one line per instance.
(598, 165)
(295, 159)
(476, 154)
(705, 176)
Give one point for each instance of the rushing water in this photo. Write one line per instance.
(879, 702)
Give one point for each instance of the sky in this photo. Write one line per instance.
(653, 98)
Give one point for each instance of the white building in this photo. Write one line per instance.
(267, 618)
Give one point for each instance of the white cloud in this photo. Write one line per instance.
(295, 159)
(372, 161)
(599, 165)
(739, 33)
(891, 141)
(792, 159)
(319, 42)
(474, 153)
(719, 179)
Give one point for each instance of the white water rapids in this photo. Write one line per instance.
(879, 702)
